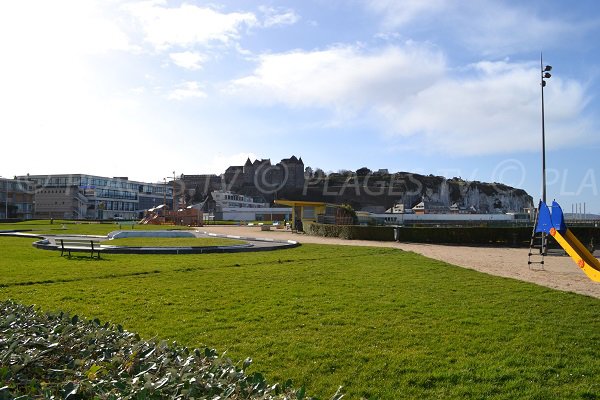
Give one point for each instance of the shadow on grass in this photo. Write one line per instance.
(85, 258)
(51, 281)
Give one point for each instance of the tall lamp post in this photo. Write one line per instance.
(6, 200)
(544, 74)
(174, 194)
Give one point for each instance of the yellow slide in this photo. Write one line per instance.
(582, 257)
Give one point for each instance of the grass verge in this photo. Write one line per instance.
(381, 322)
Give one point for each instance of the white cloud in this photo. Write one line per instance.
(278, 17)
(498, 29)
(410, 94)
(188, 60)
(51, 92)
(187, 90)
(344, 77)
(56, 28)
(187, 25)
(495, 111)
(399, 12)
(486, 26)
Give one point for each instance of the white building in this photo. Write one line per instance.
(225, 199)
(230, 206)
(452, 218)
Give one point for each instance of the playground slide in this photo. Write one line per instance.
(554, 225)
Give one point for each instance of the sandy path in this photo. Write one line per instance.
(559, 271)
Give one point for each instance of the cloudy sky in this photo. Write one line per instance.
(451, 88)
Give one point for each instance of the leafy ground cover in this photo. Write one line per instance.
(380, 322)
(173, 242)
(54, 355)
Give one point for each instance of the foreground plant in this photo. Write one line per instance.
(54, 355)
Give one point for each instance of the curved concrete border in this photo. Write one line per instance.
(49, 242)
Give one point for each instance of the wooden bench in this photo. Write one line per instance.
(81, 245)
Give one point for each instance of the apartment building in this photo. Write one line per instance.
(81, 196)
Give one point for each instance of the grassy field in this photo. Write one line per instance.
(381, 322)
(79, 228)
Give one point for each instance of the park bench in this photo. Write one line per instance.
(80, 245)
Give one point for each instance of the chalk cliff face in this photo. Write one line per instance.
(483, 197)
(363, 189)
(379, 192)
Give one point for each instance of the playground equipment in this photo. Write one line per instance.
(553, 224)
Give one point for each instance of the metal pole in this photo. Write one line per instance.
(543, 134)
(174, 198)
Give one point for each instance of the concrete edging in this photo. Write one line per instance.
(48, 242)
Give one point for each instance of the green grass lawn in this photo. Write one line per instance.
(382, 323)
(60, 227)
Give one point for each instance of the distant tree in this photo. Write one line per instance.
(308, 172)
(320, 173)
(348, 210)
(364, 171)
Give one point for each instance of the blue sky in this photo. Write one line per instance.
(145, 88)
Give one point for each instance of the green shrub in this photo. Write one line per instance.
(351, 231)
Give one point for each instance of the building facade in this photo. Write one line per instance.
(81, 196)
(195, 188)
(230, 206)
(17, 199)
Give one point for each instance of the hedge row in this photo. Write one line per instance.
(351, 231)
(508, 236)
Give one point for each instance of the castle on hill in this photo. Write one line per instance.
(258, 179)
(262, 175)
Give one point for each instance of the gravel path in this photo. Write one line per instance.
(560, 272)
